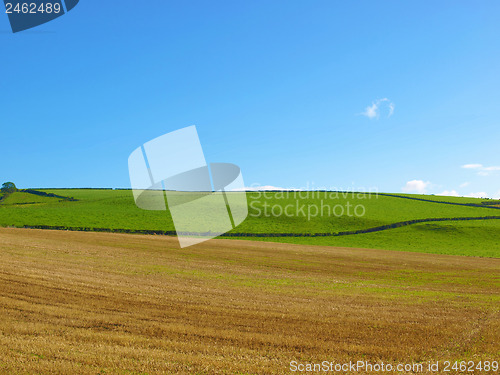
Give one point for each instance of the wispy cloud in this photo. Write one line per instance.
(416, 186)
(373, 110)
(481, 169)
(472, 166)
(391, 109)
(449, 193)
(481, 194)
(465, 184)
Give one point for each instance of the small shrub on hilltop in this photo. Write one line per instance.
(8, 187)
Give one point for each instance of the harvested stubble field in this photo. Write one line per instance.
(87, 303)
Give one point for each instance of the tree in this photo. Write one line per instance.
(9, 187)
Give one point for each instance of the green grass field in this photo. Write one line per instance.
(284, 212)
(471, 238)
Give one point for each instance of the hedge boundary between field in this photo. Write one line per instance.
(40, 194)
(484, 204)
(48, 195)
(263, 235)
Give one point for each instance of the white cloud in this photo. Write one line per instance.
(452, 193)
(373, 111)
(472, 166)
(391, 109)
(481, 194)
(415, 186)
(465, 184)
(481, 169)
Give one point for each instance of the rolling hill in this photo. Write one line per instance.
(466, 226)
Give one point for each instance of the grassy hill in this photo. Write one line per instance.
(471, 238)
(115, 210)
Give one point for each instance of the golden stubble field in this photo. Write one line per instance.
(89, 303)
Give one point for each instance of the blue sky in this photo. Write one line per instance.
(276, 87)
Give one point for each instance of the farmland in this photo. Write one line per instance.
(470, 238)
(114, 210)
(87, 303)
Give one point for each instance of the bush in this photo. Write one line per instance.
(8, 187)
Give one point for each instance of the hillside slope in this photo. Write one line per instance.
(114, 210)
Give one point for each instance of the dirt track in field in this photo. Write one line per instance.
(77, 302)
